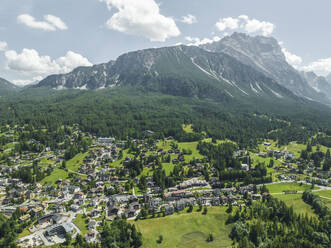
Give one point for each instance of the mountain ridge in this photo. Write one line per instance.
(188, 70)
(266, 55)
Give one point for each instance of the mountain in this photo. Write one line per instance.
(265, 55)
(318, 83)
(328, 78)
(7, 88)
(181, 71)
(4, 84)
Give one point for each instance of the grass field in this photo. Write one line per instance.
(187, 230)
(326, 202)
(55, 175)
(325, 193)
(281, 187)
(295, 200)
(74, 163)
(187, 128)
(190, 146)
(79, 221)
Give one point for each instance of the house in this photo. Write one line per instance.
(90, 236)
(24, 218)
(74, 207)
(134, 205)
(95, 213)
(169, 209)
(256, 197)
(106, 140)
(112, 210)
(36, 212)
(91, 224)
(215, 201)
(180, 205)
(130, 213)
(245, 167)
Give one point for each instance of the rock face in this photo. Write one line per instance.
(179, 70)
(319, 84)
(265, 55)
(237, 66)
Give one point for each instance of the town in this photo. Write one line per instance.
(60, 194)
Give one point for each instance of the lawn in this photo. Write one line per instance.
(295, 200)
(80, 223)
(325, 193)
(190, 146)
(187, 128)
(74, 163)
(187, 230)
(282, 187)
(326, 202)
(55, 175)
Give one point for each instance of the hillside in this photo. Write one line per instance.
(6, 87)
(265, 55)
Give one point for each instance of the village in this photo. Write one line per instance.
(77, 196)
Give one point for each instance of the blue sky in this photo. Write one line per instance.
(42, 37)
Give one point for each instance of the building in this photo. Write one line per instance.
(60, 229)
(106, 140)
(54, 218)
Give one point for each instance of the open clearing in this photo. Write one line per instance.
(282, 187)
(295, 201)
(187, 230)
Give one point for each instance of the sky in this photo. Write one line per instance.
(43, 37)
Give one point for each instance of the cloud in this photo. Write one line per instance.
(321, 67)
(142, 18)
(56, 22)
(22, 82)
(3, 46)
(189, 19)
(30, 64)
(227, 23)
(292, 59)
(51, 23)
(255, 26)
(244, 24)
(194, 41)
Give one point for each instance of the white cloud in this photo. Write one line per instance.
(30, 64)
(227, 23)
(189, 19)
(142, 18)
(56, 22)
(3, 46)
(292, 59)
(244, 24)
(321, 67)
(51, 23)
(22, 82)
(194, 41)
(255, 26)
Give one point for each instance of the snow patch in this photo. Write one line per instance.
(229, 93)
(60, 87)
(234, 83)
(258, 86)
(253, 89)
(203, 70)
(84, 87)
(275, 93)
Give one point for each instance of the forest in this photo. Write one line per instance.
(127, 112)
